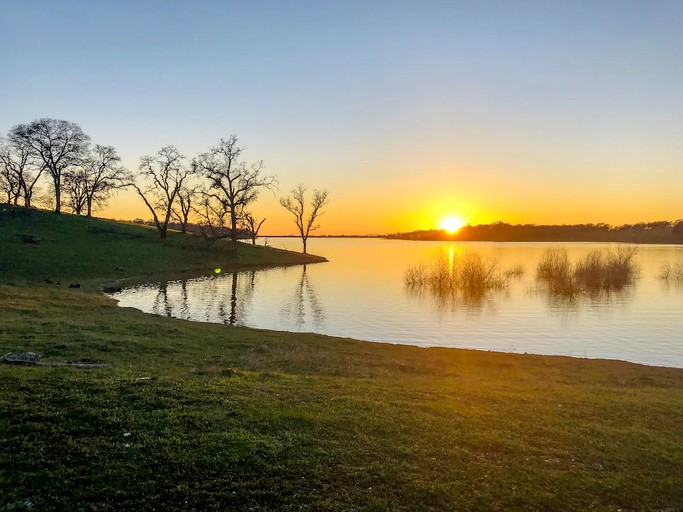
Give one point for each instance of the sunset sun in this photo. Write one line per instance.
(451, 223)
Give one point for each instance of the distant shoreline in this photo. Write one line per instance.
(659, 232)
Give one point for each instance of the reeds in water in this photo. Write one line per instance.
(671, 272)
(469, 272)
(599, 270)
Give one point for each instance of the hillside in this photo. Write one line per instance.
(38, 245)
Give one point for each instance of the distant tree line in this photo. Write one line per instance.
(216, 188)
(641, 232)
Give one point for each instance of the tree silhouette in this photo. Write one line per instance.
(296, 205)
(59, 145)
(18, 172)
(163, 175)
(252, 225)
(233, 184)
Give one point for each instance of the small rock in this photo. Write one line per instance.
(75, 285)
(20, 358)
(111, 289)
(121, 269)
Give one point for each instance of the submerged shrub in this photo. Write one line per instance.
(555, 270)
(417, 275)
(468, 272)
(597, 270)
(671, 272)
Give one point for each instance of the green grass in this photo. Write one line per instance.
(38, 245)
(229, 418)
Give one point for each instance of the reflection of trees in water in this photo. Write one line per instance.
(162, 305)
(572, 302)
(471, 301)
(295, 309)
(234, 306)
(226, 298)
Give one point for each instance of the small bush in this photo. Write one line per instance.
(598, 270)
(469, 272)
(555, 270)
(671, 272)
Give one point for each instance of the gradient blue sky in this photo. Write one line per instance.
(536, 111)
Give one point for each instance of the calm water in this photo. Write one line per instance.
(361, 294)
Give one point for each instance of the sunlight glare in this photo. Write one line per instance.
(451, 223)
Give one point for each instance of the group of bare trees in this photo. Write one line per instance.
(216, 189)
(80, 176)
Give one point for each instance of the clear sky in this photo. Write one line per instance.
(520, 111)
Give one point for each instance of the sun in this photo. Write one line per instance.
(452, 223)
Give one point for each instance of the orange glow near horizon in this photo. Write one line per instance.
(452, 223)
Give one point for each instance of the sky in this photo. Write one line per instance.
(406, 112)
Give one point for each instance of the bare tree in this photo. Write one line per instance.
(74, 186)
(9, 185)
(232, 182)
(296, 205)
(213, 218)
(164, 176)
(103, 175)
(19, 174)
(59, 145)
(252, 225)
(187, 197)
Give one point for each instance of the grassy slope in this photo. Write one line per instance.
(90, 251)
(232, 418)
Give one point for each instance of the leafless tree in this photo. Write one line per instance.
(59, 145)
(104, 174)
(18, 172)
(163, 176)
(187, 197)
(296, 205)
(92, 183)
(233, 184)
(213, 218)
(252, 225)
(74, 186)
(9, 185)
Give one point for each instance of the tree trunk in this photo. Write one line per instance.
(304, 241)
(90, 207)
(253, 240)
(162, 232)
(233, 232)
(58, 196)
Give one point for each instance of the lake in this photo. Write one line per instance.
(361, 293)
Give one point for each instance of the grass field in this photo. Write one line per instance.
(207, 417)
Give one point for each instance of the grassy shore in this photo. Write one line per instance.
(207, 417)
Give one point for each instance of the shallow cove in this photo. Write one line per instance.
(361, 294)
